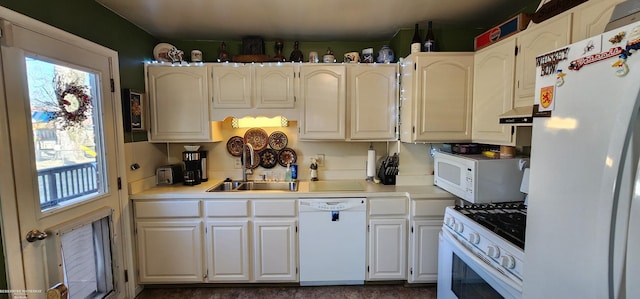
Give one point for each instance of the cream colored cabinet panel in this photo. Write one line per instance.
(533, 42)
(436, 97)
(387, 249)
(275, 257)
(494, 69)
(179, 104)
(231, 85)
(424, 251)
(274, 86)
(590, 18)
(170, 251)
(228, 250)
(373, 98)
(323, 102)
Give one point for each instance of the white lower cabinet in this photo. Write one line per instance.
(256, 240)
(228, 250)
(424, 245)
(426, 223)
(387, 238)
(274, 253)
(387, 249)
(169, 240)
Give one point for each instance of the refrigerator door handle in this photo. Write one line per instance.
(632, 258)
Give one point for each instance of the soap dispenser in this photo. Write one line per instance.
(314, 170)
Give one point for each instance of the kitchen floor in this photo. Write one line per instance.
(369, 291)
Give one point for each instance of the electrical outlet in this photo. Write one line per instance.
(237, 164)
(320, 159)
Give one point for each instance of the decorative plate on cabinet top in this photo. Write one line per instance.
(268, 158)
(257, 137)
(161, 52)
(287, 156)
(234, 146)
(278, 140)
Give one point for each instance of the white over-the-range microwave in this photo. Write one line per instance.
(479, 179)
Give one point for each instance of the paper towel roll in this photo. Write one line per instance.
(371, 163)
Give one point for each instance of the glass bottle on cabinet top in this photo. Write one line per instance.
(430, 44)
(296, 54)
(416, 45)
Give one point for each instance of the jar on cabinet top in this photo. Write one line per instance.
(385, 54)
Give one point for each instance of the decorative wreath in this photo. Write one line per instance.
(74, 105)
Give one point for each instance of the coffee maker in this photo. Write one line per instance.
(192, 167)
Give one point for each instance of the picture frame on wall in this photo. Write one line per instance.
(133, 107)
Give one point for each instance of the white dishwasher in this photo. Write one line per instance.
(332, 241)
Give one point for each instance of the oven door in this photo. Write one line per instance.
(463, 275)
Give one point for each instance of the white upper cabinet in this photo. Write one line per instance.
(266, 89)
(591, 17)
(275, 85)
(373, 97)
(536, 40)
(493, 92)
(436, 97)
(179, 104)
(322, 102)
(231, 85)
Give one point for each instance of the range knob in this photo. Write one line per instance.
(508, 261)
(449, 221)
(458, 227)
(474, 238)
(493, 251)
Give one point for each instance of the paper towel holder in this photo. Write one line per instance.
(370, 168)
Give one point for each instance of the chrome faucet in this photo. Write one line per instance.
(245, 170)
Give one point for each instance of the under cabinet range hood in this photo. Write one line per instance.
(520, 116)
(624, 13)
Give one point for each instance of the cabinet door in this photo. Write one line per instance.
(231, 85)
(590, 18)
(170, 251)
(274, 86)
(493, 92)
(228, 250)
(373, 98)
(323, 102)
(444, 97)
(275, 250)
(387, 249)
(533, 42)
(424, 251)
(179, 104)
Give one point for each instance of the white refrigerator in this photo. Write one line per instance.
(583, 216)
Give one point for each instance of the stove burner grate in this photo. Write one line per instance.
(507, 220)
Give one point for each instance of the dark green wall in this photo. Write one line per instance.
(92, 21)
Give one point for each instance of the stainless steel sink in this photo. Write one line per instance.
(266, 186)
(254, 186)
(225, 186)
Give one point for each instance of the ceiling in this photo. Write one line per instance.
(305, 20)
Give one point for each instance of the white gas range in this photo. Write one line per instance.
(481, 251)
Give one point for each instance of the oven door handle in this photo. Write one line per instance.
(486, 267)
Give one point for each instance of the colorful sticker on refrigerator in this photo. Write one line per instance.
(547, 95)
(560, 78)
(621, 68)
(633, 43)
(549, 62)
(577, 64)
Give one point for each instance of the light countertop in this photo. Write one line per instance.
(306, 189)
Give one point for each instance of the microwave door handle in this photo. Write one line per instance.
(480, 262)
